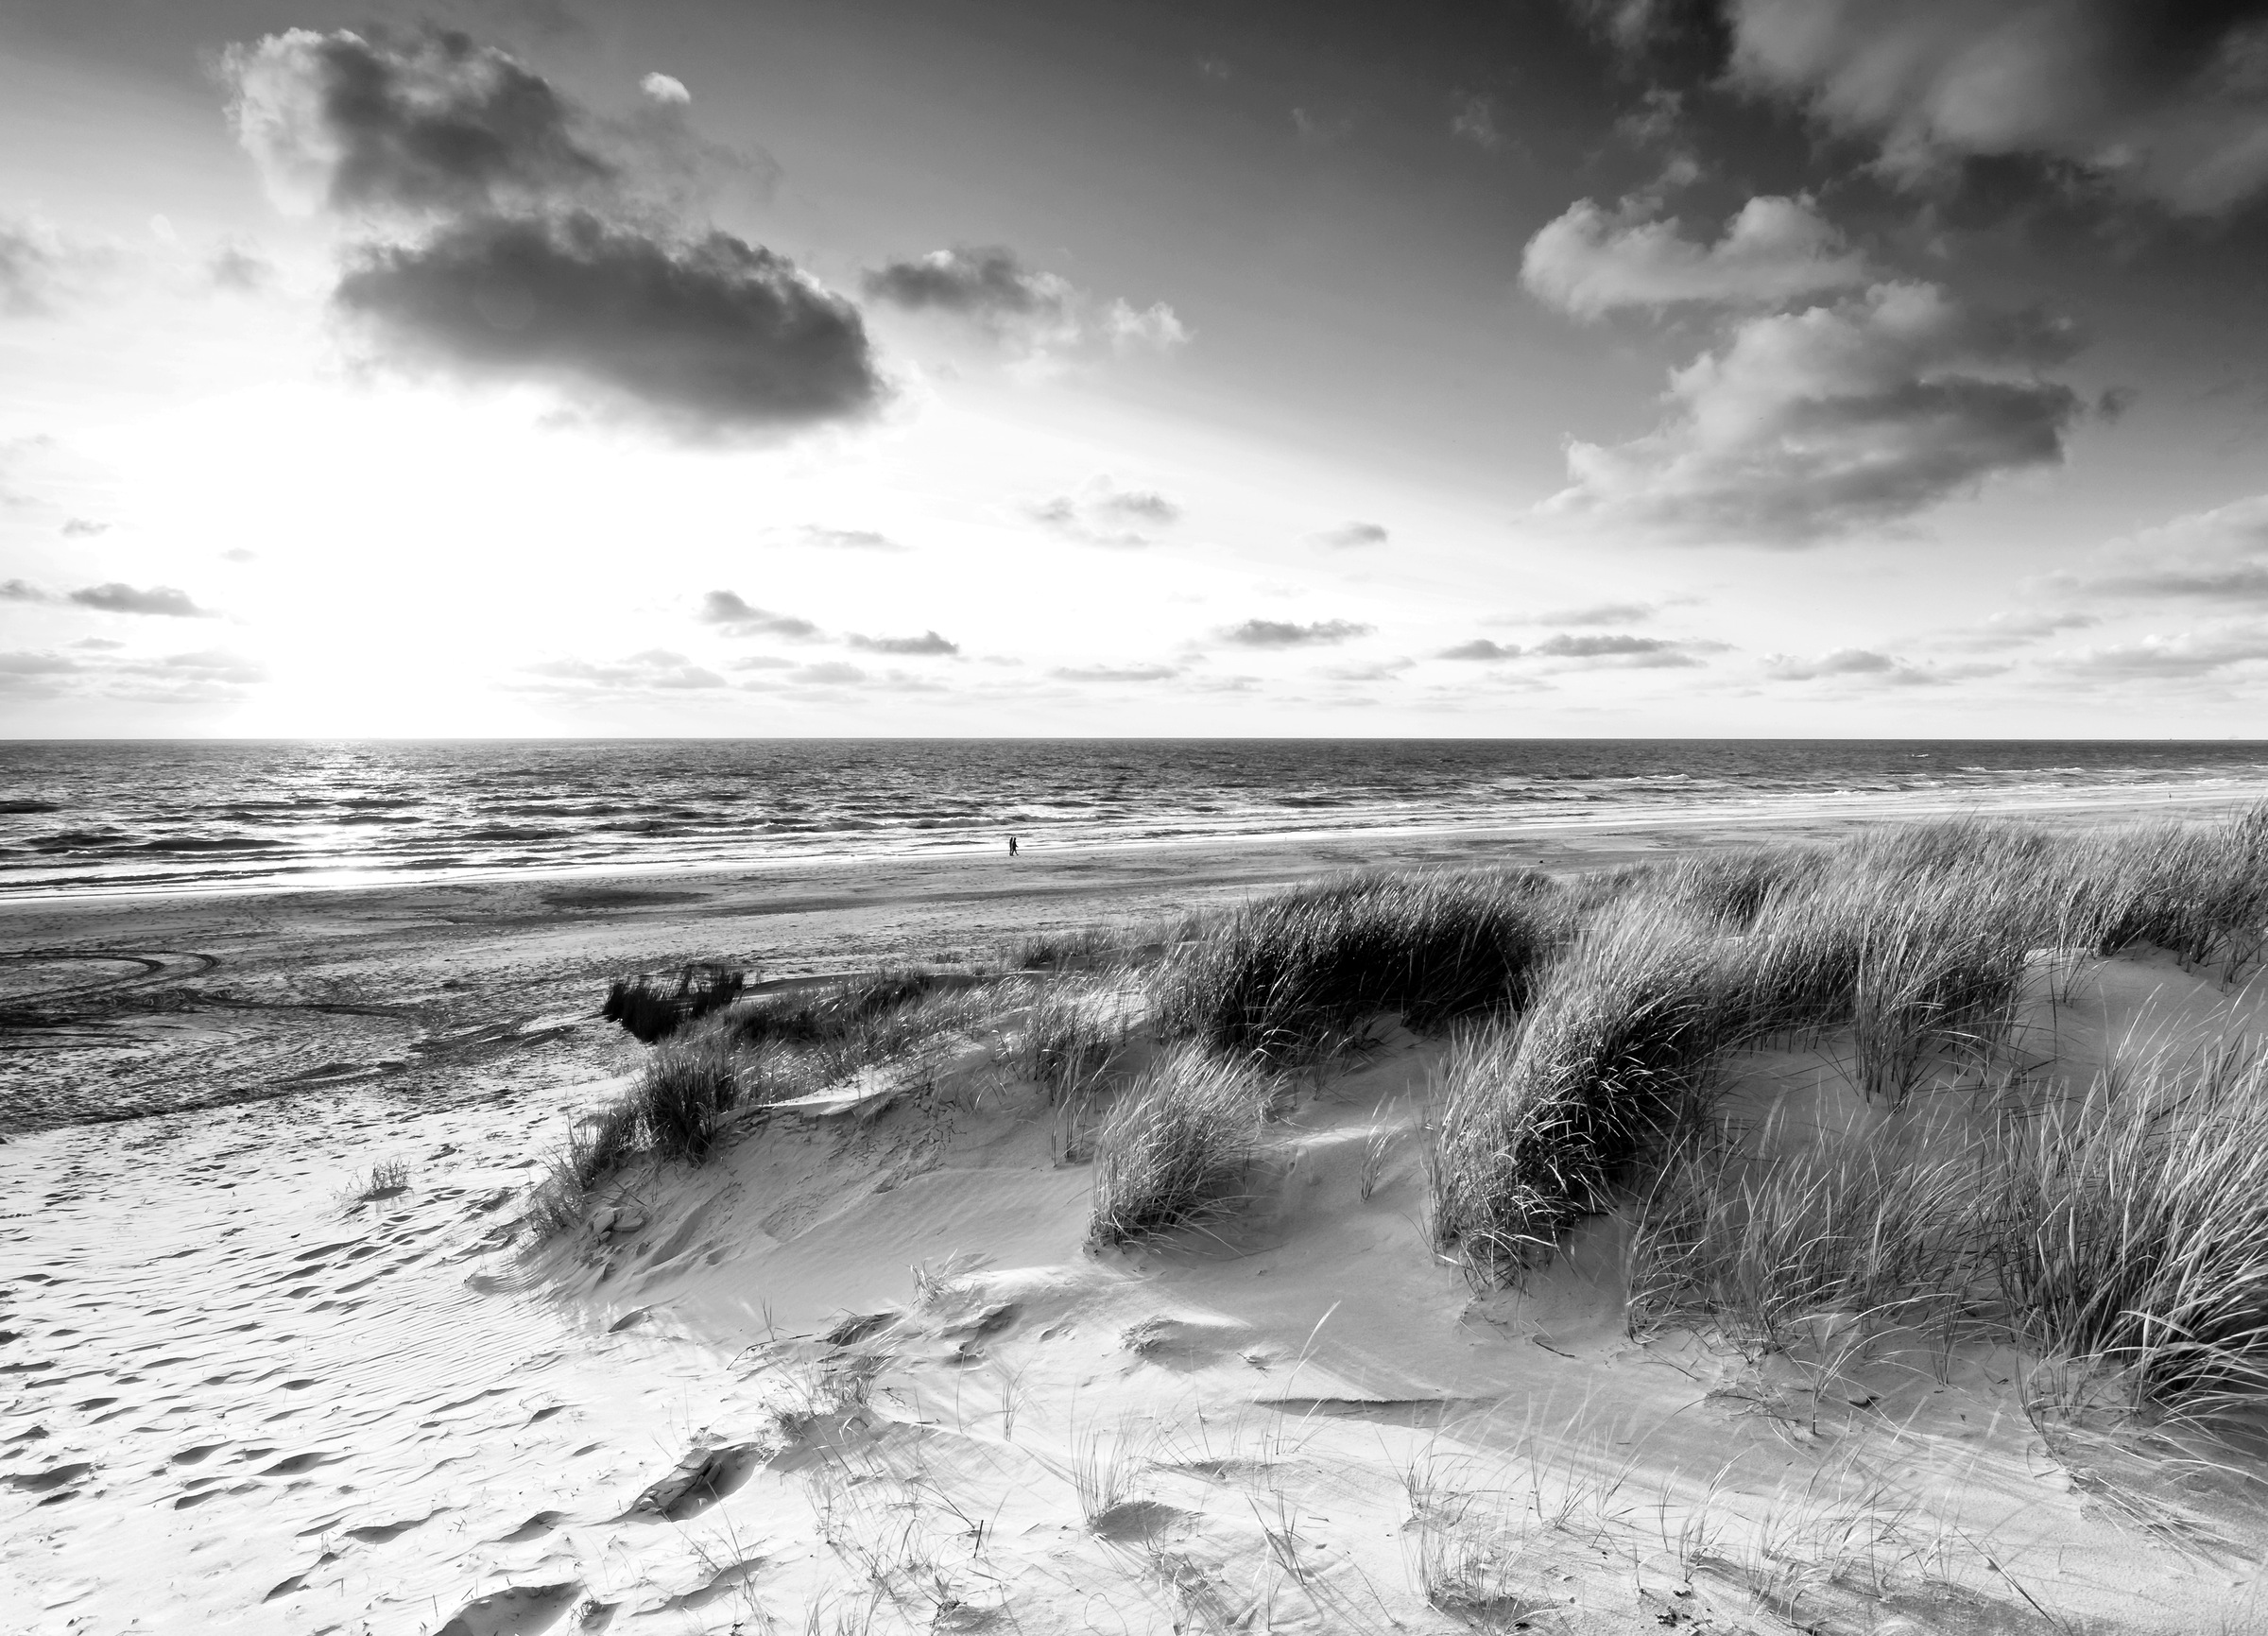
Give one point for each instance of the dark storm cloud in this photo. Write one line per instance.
(1805, 425)
(709, 336)
(1282, 633)
(986, 283)
(162, 600)
(431, 121)
(740, 618)
(1354, 537)
(929, 641)
(2163, 102)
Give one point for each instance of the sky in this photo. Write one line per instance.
(1589, 367)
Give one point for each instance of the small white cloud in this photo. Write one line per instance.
(1154, 326)
(1591, 261)
(665, 88)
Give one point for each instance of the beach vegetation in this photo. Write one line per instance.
(1176, 1144)
(650, 1009)
(1285, 975)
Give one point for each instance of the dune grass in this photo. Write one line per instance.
(1915, 939)
(1288, 973)
(1176, 1144)
(651, 1011)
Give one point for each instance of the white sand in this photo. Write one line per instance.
(236, 1400)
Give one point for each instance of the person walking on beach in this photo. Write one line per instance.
(1011, 846)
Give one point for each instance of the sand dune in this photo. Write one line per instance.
(861, 1371)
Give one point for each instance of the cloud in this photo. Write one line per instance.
(239, 554)
(426, 122)
(1805, 425)
(1591, 261)
(2185, 656)
(1115, 672)
(1591, 613)
(232, 268)
(1480, 648)
(832, 673)
(2165, 103)
(23, 590)
(1866, 666)
(1101, 512)
(1353, 536)
(212, 675)
(847, 539)
(162, 600)
(928, 642)
(739, 618)
(81, 529)
(986, 283)
(656, 669)
(1633, 652)
(705, 336)
(1282, 633)
(991, 287)
(2002, 631)
(1385, 670)
(1154, 327)
(1475, 122)
(27, 266)
(664, 87)
(2220, 556)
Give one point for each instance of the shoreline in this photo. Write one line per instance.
(123, 1005)
(1762, 813)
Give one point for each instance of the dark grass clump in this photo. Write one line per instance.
(1540, 1119)
(651, 1011)
(832, 1012)
(1285, 976)
(682, 1095)
(1175, 1146)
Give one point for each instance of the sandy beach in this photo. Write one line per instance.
(860, 1372)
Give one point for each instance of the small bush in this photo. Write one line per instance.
(1175, 1146)
(1286, 974)
(651, 1013)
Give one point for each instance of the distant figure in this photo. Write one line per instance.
(1011, 846)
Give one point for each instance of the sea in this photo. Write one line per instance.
(114, 816)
